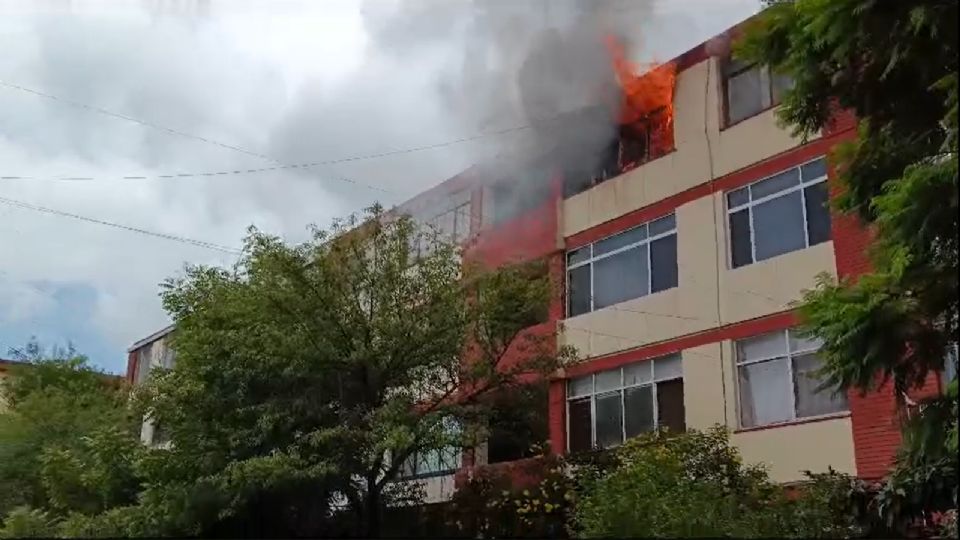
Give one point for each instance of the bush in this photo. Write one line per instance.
(696, 485)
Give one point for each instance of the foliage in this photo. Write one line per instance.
(26, 522)
(306, 376)
(530, 498)
(893, 64)
(66, 438)
(694, 485)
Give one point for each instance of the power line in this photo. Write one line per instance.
(207, 140)
(280, 165)
(165, 236)
(307, 165)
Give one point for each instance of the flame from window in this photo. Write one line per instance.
(642, 94)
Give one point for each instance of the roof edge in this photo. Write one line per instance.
(151, 338)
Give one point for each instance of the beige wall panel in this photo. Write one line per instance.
(789, 450)
(702, 386)
(771, 286)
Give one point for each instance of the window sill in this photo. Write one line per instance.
(427, 476)
(727, 126)
(622, 173)
(797, 422)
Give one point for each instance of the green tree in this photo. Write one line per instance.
(894, 65)
(696, 485)
(66, 439)
(307, 375)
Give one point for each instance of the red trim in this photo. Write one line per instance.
(736, 179)
(796, 422)
(132, 366)
(740, 330)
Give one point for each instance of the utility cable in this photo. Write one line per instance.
(165, 236)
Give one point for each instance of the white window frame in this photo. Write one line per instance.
(621, 389)
(788, 357)
(592, 259)
(751, 203)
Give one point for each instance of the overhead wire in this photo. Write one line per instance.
(182, 239)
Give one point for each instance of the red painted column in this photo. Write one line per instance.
(557, 417)
(873, 415)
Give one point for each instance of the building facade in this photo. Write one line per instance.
(680, 267)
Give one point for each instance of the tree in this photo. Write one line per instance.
(696, 485)
(894, 65)
(307, 375)
(66, 439)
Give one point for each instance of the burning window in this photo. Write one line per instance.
(644, 119)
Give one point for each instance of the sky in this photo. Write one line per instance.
(98, 91)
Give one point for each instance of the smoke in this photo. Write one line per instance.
(501, 63)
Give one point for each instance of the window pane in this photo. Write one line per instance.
(581, 386)
(580, 426)
(779, 84)
(623, 239)
(662, 225)
(744, 95)
(814, 169)
(818, 213)
(778, 226)
(620, 277)
(463, 222)
(578, 255)
(670, 367)
(761, 347)
(663, 259)
(801, 342)
(764, 393)
(608, 380)
(809, 399)
(638, 373)
(670, 411)
(639, 410)
(740, 247)
(609, 420)
(738, 197)
(578, 290)
(775, 184)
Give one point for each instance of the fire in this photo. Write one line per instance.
(645, 111)
(644, 94)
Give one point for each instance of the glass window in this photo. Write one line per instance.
(779, 381)
(620, 277)
(627, 401)
(622, 267)
(750, 88)
(780, 214)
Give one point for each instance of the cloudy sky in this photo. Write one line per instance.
(104, 90)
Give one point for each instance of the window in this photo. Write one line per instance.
(778, 380)
(950, 364)
(783, 213)
(144, 361)
(604, 409)
(431, 463)
(750, 89)
(454, 224)
(634, 263)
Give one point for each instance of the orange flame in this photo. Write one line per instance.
(644, 94)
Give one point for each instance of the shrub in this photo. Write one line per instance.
(696, 485)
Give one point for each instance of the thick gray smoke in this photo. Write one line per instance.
(507, 63)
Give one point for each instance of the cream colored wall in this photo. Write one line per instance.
(787, 450)
(697, 137)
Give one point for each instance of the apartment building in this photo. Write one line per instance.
(681, 255)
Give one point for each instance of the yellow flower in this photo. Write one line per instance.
(548, 508)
